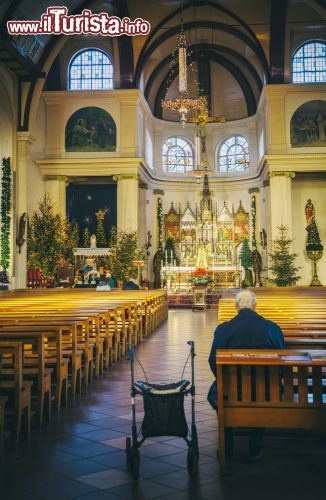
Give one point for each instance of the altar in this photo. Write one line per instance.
(177, 277)
(207, 236)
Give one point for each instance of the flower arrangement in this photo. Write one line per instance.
(200, 277)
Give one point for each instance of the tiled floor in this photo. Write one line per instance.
(81, 453)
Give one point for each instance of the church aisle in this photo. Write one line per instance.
(81, 453)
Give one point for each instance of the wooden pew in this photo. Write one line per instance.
(15, 388)
(3, 400)
(297, 401)
(37, 371)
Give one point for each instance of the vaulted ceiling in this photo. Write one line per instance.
(235, 46)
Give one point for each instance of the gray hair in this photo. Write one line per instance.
(245, 300)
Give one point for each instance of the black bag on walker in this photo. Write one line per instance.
(164, 409)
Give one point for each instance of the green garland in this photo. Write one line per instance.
(5, 214)
(253, 222)
(160, 222)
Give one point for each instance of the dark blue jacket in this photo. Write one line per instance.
(130, 285)
(247, 330)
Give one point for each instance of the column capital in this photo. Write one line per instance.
(25, 137)
(62, 178)
(123, 177)
(160, 192)
(142, 184)
(290, 175)
(253, 190)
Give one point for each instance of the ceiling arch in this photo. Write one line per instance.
(223, 61)
(188, 5)
(219, 49)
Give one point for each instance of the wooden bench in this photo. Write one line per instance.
(3, 400)
(15, 388)
(270, 389)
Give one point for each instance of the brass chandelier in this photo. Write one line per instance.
(183, 104)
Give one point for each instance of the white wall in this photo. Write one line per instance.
(303, 188)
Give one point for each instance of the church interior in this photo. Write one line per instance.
(146, 179)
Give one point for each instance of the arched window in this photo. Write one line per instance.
(309, 63)
(177, 156)
(91, 69)
(233, 155)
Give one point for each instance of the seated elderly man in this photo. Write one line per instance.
(247, 330)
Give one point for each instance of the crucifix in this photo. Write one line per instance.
(202, 119)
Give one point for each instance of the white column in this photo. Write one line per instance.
(281, 202)
(24, 139)
(127, 202)
(56, 188)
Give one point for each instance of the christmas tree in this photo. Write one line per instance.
(86, 238)
(100, 233)
(170, 252)
(70, 239)
(313, 238)
(46, 239)
(246, 262)
(245, 254)
(283, 260)
(124, 251)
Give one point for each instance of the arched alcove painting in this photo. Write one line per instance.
(308, 125)
(90, 130)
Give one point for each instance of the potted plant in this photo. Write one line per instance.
(200, 278)
(314, 250)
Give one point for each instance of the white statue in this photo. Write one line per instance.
(201, 256)
(93, 241)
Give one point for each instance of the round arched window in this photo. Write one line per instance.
(177, 156)
(233, 155)
(90, 69)
(309, 63)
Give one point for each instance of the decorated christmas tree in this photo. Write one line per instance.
(246, 262)
(71, 239)
(313, 238)
(124, 251)
(170, 252)
(86, 238)
(283, 260)
(46, 239)
(100, 233)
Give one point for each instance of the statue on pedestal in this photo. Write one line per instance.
(201, 260)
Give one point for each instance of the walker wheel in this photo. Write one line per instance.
(134, 464)
(133, 459)
(128, 451)
(192, 463)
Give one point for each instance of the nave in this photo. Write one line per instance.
(80, 453)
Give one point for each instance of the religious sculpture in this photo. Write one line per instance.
(20, 240)
(310, 212)
(257, 265)
(157, 266)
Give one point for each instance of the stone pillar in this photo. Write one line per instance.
(281, 202)
(55, 186)
(127, 201)
(24, 139)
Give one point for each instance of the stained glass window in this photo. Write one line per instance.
(233, 155)
(177, 156)
(91, 69)
(309, 63)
